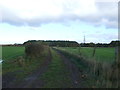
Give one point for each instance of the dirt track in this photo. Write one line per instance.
(31, 81)
(74, 72)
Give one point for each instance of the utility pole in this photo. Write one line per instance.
(84, 40)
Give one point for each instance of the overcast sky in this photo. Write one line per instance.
(23, 20)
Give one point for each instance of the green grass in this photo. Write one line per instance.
(10, 52)
(83, 67)
(56, 76)
(0, 52)
(102, 54)
(104, 58)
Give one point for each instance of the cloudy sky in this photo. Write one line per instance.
(22, 20)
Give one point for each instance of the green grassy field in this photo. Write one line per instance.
(11, 52)
(102, 54)
(99, 68)
(56, 75)
(11, 64)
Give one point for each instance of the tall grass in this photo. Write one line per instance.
(102, 66)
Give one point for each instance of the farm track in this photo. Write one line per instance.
(75, 74)
(32, 80)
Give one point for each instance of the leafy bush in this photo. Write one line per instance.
(34, 50)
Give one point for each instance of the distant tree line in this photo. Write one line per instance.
(111, 44)
(17, 45)
(58, 43)
(61, 43)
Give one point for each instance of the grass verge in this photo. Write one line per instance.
(99, 74)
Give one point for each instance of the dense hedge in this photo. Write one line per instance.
(34, 50)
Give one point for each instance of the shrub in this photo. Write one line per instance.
(34, 50)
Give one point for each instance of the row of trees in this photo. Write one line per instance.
(111, 44)
(54, 43)
(61, 43)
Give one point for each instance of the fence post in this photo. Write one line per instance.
(79, 50)
(117, 61)
(119, 66)
(94, 51)
(116, 50)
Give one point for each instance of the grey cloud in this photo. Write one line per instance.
(107, 11)
(10, 17)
